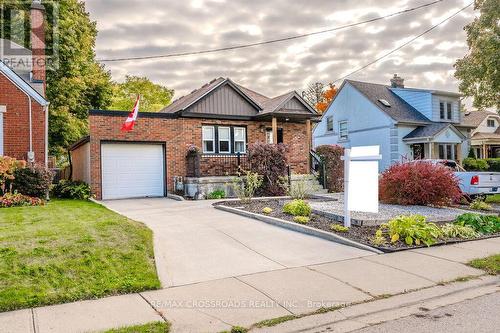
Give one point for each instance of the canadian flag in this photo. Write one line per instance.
(128, 125)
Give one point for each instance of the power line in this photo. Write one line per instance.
(241, 46)
(404, 44)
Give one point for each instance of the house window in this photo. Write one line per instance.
(3, 108)
(208, 133)
(343, 132)
(224, 140)
(239, 140)
(329, 124)
(491, 123)
(447, 151)
(445, 111)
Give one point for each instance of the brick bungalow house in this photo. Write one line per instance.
(23, 107)
(221, 119)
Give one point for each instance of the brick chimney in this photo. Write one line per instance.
(38, 40)
(397, 82)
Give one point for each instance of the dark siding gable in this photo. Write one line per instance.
(224, 100)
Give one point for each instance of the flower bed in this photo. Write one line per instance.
(361, 234)
(16, 200)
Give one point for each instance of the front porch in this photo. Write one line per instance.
(486, 145)
(435, 141)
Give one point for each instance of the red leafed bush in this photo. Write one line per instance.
(269, 161)
(331, 154)
(15, 200)
(419, 184)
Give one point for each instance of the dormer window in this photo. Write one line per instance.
(491, 123)
(445, 111)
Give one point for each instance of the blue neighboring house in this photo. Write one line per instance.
(407, 123)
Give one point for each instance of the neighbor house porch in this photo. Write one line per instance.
(486, 145)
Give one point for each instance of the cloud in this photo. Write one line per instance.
(130, 28)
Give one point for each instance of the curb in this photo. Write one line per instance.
(299, 228)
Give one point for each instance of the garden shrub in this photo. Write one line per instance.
(34, 181)
(245, 187)
(301, 219)
(339, 228)
(458, 231)
(217, 194)
(270, 161)
(331, 157)
(479, 204)
(299, 190)
(473, 164)
(71, 189)
(17, 199)
(267, 210)
(297, 208)
(471, 154)
(419, 184)
(8, 167)
(485, 224)
(494, 164)
(411, 229)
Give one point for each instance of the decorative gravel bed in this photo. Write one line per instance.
(361, 234)
(386, 212)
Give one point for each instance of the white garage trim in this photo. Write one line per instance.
(132, 170)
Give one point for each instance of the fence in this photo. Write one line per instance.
(217, 165)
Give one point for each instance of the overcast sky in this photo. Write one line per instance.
(149, 27)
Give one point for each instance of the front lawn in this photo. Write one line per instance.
(70, 250)
(490, 264)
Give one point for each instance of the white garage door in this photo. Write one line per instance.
(132, 170)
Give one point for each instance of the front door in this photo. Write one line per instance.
(418, 151)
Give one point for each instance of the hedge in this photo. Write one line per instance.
(477, 164)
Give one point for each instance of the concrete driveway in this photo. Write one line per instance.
(195, 242)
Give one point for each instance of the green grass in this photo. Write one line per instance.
(495, 198)
(71, 250)
(156, 327)
(489, 264)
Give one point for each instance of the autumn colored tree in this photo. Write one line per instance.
(328, 96)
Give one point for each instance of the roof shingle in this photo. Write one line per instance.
(399, 110)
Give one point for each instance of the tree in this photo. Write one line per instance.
(478, 71)
(314, 93)
(328, 96)
(154, 97)
(77, 82)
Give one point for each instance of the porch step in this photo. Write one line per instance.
(310, 181)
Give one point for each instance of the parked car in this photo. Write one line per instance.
(472, 183)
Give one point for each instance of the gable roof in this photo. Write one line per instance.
(399, 110)
(475, 118)
(263, 104)
(429, 131)
(21, 84)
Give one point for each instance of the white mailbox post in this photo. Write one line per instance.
(360, 180)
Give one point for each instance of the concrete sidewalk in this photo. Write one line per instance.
(216, 305)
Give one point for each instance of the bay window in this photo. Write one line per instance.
(224, 139)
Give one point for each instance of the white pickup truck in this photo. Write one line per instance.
(472, 183)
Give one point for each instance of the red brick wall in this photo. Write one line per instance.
(178, 134)
(16, 123)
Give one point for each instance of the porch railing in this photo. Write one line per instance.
(207, 165)
(318, 168)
